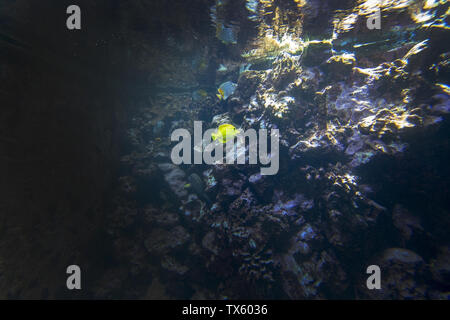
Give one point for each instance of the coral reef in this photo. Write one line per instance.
(347, 102)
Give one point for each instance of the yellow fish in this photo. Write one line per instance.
(202, 92)
(225, 132)
(221, 94)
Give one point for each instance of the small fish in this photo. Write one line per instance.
(225, 132)
(227, 35)
(222, 68)
(244, 68)
(199, 95)
(187, 185)
(225, 90)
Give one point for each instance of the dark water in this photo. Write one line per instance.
(356, 92)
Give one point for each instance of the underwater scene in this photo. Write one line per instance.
(225, 149)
